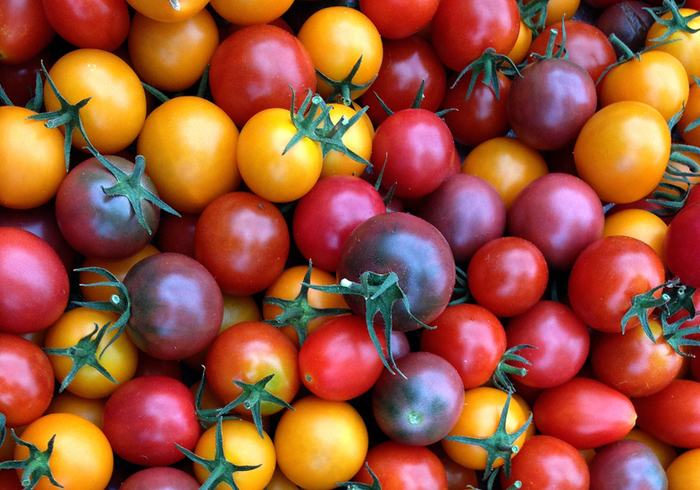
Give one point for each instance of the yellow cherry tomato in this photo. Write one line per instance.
(164, 11)
(88, 408)
(684, 46)
(249, 12)
(522, 44)
(357, 139)
(640, 224)
(690, 115)
(684, 472)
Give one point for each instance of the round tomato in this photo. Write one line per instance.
(165, 11)
(683, 44)
(26, 30)
(119, 359)
(320, 443)
(88, 408)
(246, 12)
(102, 24)
(398, 19)
(357, 139)
(26, 380)
(172, 56)
(682, 237)
(160, 478)
(82, 458)
(34, 284)
(32, 163)
(116, 111)
(159, 412)
(640, 224)
(684, 472)
(190, 149)
(629, 21)
(622, 151)
(627, 465)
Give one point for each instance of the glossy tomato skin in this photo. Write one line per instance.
(614, 268)
(96, 224)
(681, 239)
(562, 343)
(398, 19)
(26, 30)
(338, 361)
(560, 214)
(413, 249)
(627, 465)
(33, 282)
(26, 380)
(552, 101)
(254, 68)
(158, 412)
(584, 412)
(328, 213)
(462, 30)
(471, 338)
(402, 467)
(468, 211)
(176, 306)
(417, 146)
(421, 408)
(628, 21)
(507, 276)
(243, 240)
(102, 24)
(680, 398)
(547, 463)
(405, 65)
(160, 478)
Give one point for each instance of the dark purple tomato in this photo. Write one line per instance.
(560, 214)
(176, 306)
(160, 478)
(254, 68)
(468, 211)
(145, 417)
(328, 213)
(413, 249)
(96, 224)
(552, 101)
(19, 80)
(41, 221)
(405, 65)
(562, 343)
(422, 407)
(628, 21)
(627, 465)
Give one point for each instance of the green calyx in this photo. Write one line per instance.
(67, 116)
(119, 303)
(313, 121)
(34, 103)
(550, 53)
(675, 297)
(3, 429)
(628, 54)
(673, 194)
(500, 375)
(461, 289)
(677, 23)
(533, 15)
(297, 312)
(131, 187)
(500, 445)
(84, 353)
(351, 485)
(380, 292)
(489, 64)
(220, 469)
(36, 466)
(341, 89)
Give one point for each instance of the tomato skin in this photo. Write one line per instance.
(160, 478)
(402, 467)
(462, 30)
(584, 412)
(338, 361)
(159, 411)
(230, 235)
(320, 443)
(683, 44)
(412, 248)
(471, 338)
(560, 214)
(96, 224)
(102, 24)
(249, 351)
(681, 398)
(163, 12)
(507, 276)
(26, 380)
(683, 472)
(88, 408)
(176, 306)
(26, 30)
(548, 463)
(627, 465)
(616, 269)
(562, 343)
(405, 408)
(640, 224)
(682, 237)
(628, 21)
(254, 68)
(328, 213)
(34, 284)
(398, 19)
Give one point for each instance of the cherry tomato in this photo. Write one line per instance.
(164, 12)
(681, 238)
(26, 30)
(245, 12)
(682, 43)
(160, 478)
(640, 224)
(88, 408)
(684, 471)
(102, 24)
(398, 19)
(627, 465)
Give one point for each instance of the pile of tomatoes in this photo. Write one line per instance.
(396, 244)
